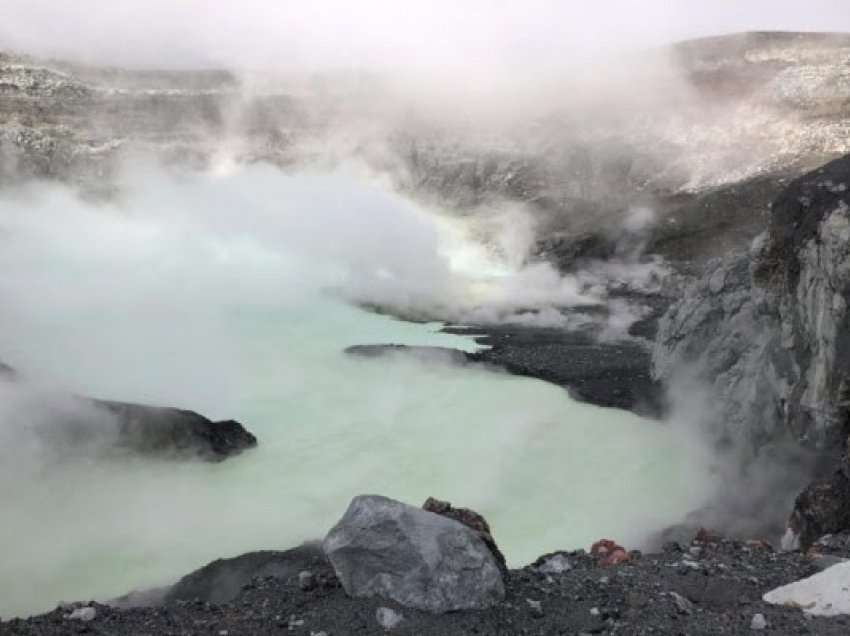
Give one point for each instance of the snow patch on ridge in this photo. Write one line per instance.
(824, 594)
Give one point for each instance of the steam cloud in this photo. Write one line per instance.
(202, 291)
(474, 35)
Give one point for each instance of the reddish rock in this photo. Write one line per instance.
(604, 547)
(617, 556)
(609, 552)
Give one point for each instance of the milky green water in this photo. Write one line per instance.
(547, 472)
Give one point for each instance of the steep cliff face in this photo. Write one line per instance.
(769, 329)
(809, 245)
(721, 333)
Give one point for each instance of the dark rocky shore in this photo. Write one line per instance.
(613, 374)
(707, 586)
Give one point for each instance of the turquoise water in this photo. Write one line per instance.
(120, 304)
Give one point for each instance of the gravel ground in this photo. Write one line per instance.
(710, 587)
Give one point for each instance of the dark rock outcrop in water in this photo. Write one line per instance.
(419, 559)
(137, 428)
(166, 431)
(426, 354)
(612, 374)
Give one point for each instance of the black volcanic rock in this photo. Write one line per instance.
(614, 374)
(138, 428)
(427, 354)
(167, 431)
(222, 580)
(823, 508)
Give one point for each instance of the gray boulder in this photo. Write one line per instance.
(419, 559)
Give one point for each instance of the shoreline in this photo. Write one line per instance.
(706, 586)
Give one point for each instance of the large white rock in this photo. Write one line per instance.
(419, 559)
(824, 594)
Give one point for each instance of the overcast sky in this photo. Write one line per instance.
(382, 33)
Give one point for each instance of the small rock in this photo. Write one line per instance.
(388, 618)
(536, 607)
(555, 564)
(306, 580)
(594, 611)
(609, 552)
(684, 605)
(603, 547)
(790, 541)
(759, 622)
(82, 614)
(717, 281)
